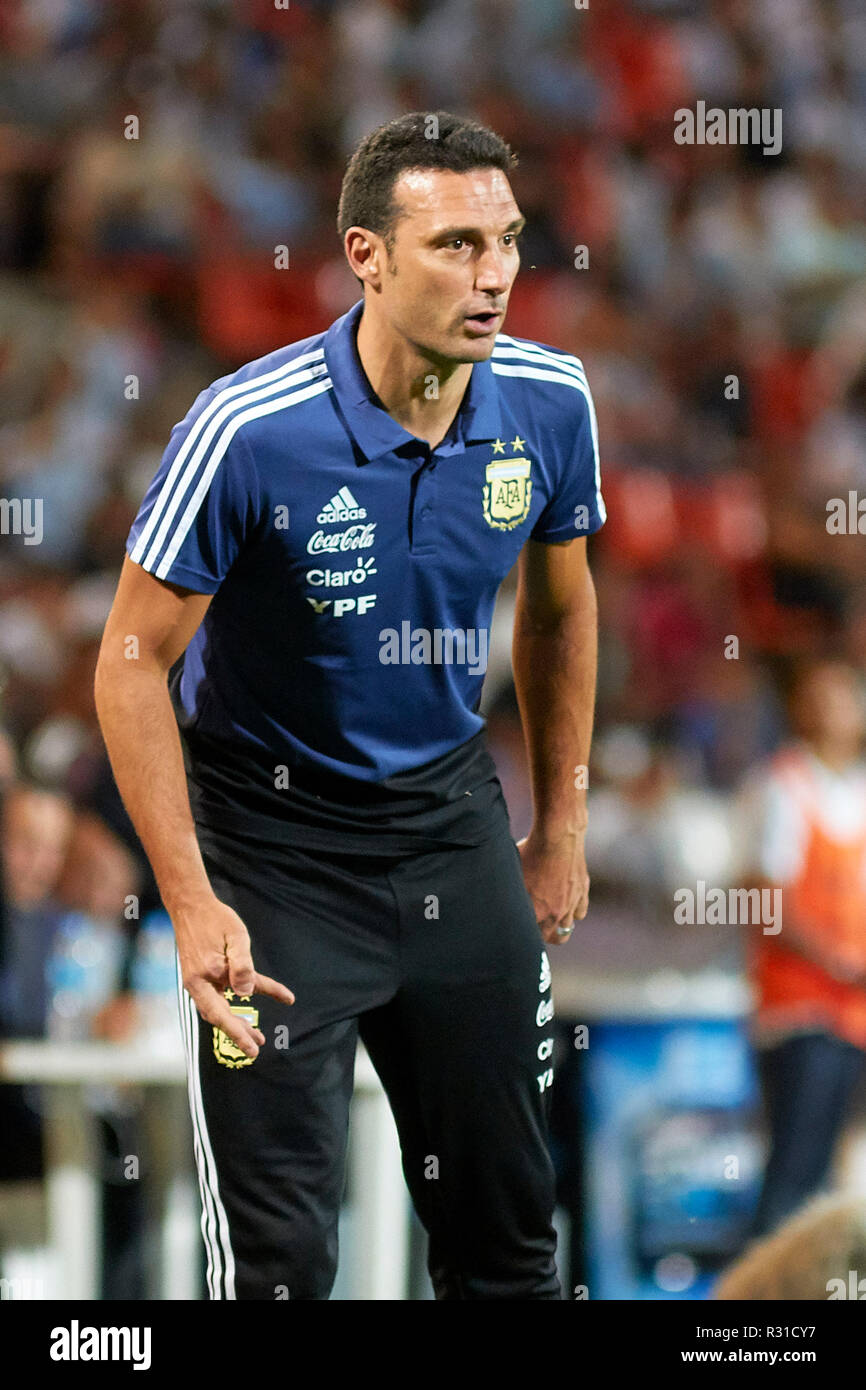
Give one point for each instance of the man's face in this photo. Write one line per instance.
(829, 704)
(36, 831)
(447, 279)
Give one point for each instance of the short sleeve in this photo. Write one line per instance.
(202, 501)
(576, 507)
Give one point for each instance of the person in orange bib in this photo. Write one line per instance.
(804, 813)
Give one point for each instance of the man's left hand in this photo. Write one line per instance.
(554, 871)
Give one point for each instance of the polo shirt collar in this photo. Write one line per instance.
(372, 428)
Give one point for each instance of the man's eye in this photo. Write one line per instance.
(457, 241)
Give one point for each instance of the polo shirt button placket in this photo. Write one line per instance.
(424, 527)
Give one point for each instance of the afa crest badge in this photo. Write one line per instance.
(225, 1049)
(507, 493)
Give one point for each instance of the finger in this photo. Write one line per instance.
(248, 1039)
(242, 976)
(550, 933)
(581, 906)
(564, 929)
(265, 985)
(214, 1009)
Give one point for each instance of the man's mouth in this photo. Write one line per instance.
(485, 321)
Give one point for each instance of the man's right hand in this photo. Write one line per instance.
(214, 949)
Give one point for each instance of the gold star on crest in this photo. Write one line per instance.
(499, 446)
(517, 442)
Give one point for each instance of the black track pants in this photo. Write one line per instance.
(437, 961)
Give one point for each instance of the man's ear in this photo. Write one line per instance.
(364, 252)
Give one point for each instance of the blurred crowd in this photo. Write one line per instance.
(155, 154)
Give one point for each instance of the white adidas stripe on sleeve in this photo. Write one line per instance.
(186, 463)
(545, 367)
(231, 428)
(533, 352)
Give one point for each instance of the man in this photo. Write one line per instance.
(35, 831)
(324, 542)
(804, 822)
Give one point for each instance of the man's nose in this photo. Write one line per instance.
(491, 274)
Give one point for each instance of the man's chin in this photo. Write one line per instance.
(463, 348)
(474, 348)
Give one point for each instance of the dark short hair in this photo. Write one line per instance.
(419, 140)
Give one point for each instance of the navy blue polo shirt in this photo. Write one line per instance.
(354, 570)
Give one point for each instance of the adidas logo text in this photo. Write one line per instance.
(342, 507)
